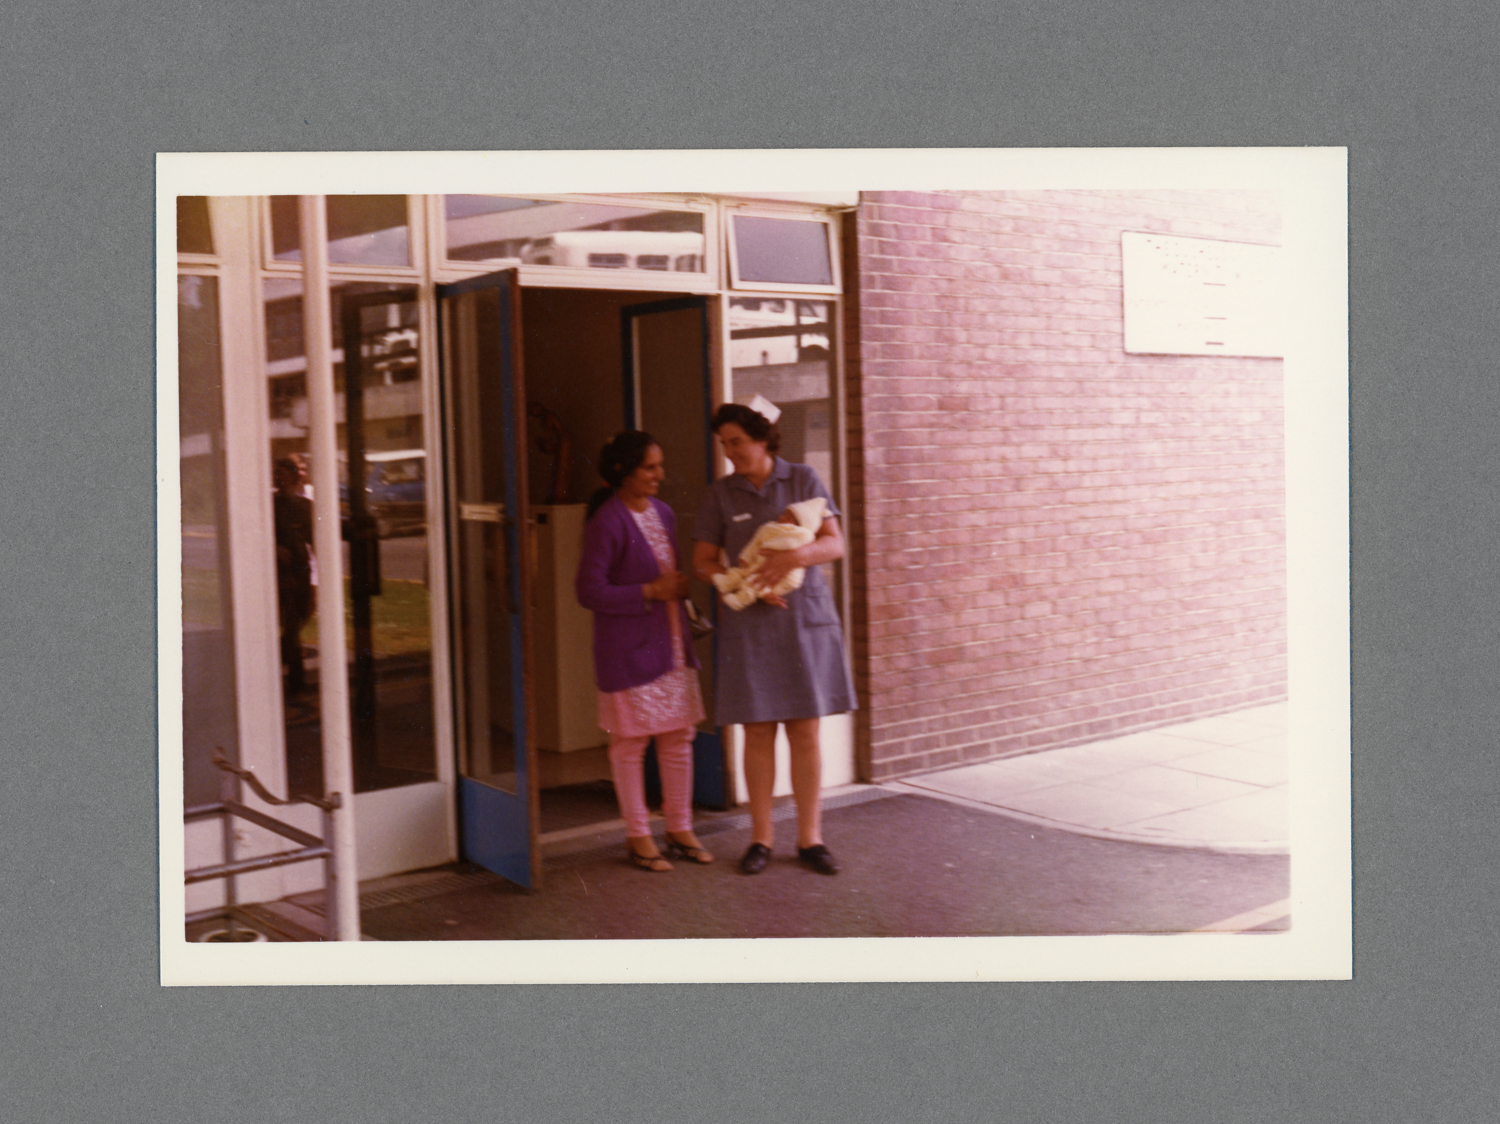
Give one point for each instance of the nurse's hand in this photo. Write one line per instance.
(774, 567)
(774, 601)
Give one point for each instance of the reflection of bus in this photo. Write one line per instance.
(676, 251)
(396, 490)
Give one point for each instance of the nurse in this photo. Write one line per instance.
(781, 661)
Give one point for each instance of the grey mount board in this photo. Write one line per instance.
(94, 91)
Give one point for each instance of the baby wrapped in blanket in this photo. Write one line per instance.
(797, 526)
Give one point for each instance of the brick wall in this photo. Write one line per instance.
(1052, 541)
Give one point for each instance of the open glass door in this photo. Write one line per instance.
(668, 393)
(381, 389)
(487, 518)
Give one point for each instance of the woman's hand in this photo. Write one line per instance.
(671, 586)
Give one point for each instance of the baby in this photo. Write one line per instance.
(797, 526)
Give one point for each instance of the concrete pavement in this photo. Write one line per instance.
(1216, 783)
(914, 865)
(1049, 842)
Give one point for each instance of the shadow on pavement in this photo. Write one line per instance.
(912, 866)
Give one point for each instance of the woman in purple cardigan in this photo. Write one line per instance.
(628, 578)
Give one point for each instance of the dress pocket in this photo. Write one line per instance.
(815, 608)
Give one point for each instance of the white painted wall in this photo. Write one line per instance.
(837, 736)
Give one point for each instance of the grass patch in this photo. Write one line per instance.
(401, 616)
(401, 619)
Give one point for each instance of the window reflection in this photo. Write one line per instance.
(383, 512)
(209, 718)
(362, 230)
(779, 347)
(498, 230)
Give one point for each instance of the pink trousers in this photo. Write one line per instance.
(674, 760)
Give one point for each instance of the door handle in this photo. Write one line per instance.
(482, 512)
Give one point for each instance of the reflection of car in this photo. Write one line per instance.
(396, 491)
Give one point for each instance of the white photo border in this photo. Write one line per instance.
(1312, 183)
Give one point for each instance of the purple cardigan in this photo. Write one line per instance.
(632, 636)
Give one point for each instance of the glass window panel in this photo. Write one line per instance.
(194, 236)
(484, 619)
(505, 231)
(387, 604)
(286, 230)
(362, 230)
(786, 251)
(781, 348)
(209, 717)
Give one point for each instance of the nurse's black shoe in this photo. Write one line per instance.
(755, 859)
(819, 858)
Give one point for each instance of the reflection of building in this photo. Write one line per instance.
(393, 403)
(779, 347)
(660, 251)
(1051, 538)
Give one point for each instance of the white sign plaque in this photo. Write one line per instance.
(1197, 296)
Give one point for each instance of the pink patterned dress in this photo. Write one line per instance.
(671, 701)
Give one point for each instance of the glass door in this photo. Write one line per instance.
(487, 519)
(668, 393)
(382, 389)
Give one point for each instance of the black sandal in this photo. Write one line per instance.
(688, 852)
(656, 864)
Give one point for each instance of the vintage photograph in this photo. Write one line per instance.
(559, 554)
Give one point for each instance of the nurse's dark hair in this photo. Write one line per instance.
(756, 426)
(622, 454)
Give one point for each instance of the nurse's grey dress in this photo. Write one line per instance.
(774, 665)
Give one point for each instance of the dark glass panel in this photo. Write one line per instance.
(362, 230)
(387, 599)
(194, 236)
(209, 715)
(785, 251)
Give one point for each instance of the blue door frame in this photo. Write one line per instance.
(497, 827)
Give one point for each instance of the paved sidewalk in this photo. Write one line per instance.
(1214, 783)
(1047, 843)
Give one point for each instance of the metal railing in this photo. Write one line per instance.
(228, 808)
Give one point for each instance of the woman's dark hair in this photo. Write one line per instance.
(756, 426)
(621, 455)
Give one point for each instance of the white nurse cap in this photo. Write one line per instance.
(765, 408)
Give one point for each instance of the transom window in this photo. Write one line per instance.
(504, 231)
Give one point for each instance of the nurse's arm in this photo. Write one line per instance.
(827, 547)
(775, 565)
(706, 561)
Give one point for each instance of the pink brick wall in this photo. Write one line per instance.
(1053, 541)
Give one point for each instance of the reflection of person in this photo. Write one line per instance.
(781, 660)
(643, 655)
(294, 530)
(797, 526)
